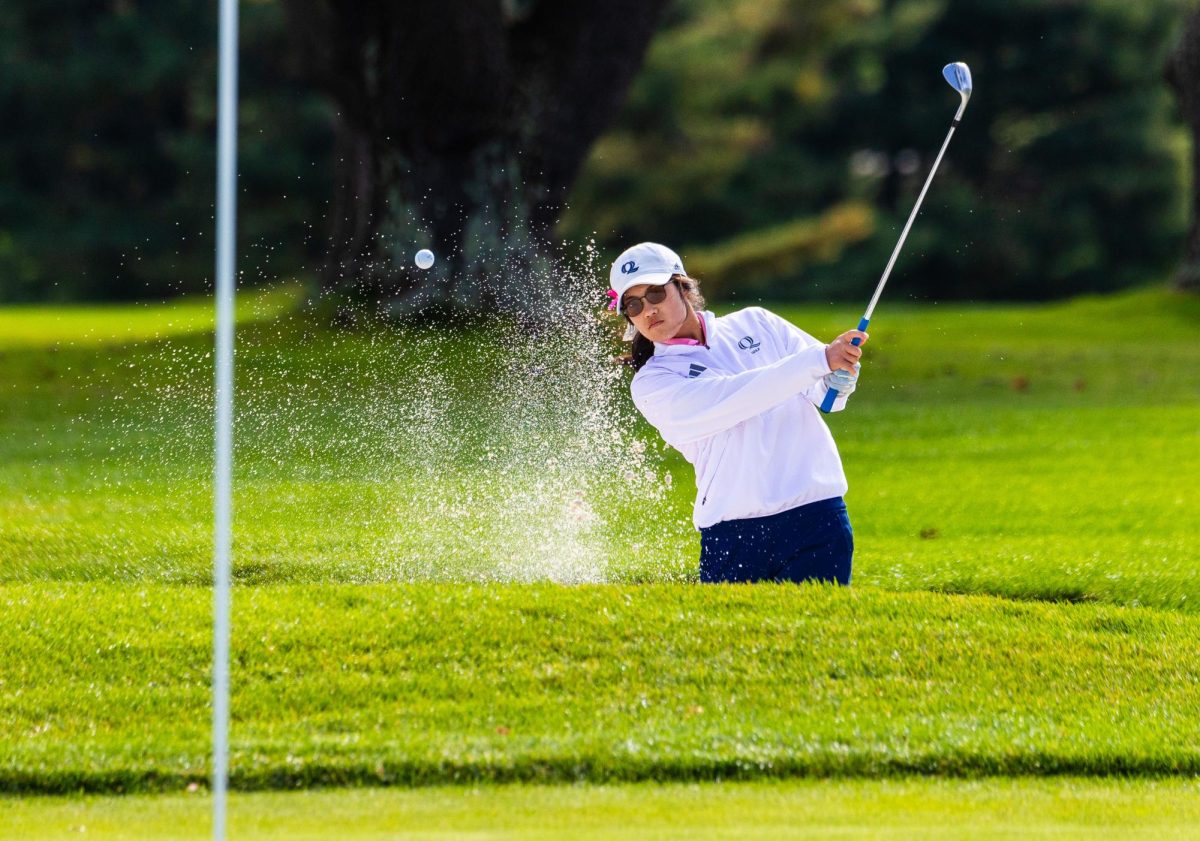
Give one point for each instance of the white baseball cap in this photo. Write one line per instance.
(646, 262)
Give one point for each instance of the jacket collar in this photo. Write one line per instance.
(707, 326)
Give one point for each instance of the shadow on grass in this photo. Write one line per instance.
(1052, 594)
(599, 769)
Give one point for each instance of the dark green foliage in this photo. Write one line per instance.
(107, 160)
(1066, 175)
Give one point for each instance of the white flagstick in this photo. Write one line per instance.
(222, 472)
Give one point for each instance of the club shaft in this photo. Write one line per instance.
(911, 216)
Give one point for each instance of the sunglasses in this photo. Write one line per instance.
(633, 305)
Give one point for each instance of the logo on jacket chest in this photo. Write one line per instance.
(695, 371)
(748, 343)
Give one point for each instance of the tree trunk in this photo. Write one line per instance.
(355, 204)
(462, 125)
(1183, 74)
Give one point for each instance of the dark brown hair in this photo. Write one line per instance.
(641, 348)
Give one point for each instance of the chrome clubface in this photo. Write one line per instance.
(959, 77)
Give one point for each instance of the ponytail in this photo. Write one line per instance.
(639, 352)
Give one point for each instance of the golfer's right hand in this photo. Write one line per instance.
(841, 355)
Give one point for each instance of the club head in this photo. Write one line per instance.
(959, 77)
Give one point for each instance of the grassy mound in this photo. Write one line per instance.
(429, 683)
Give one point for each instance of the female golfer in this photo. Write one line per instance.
(738, 396)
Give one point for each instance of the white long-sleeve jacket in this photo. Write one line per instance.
(743, 410)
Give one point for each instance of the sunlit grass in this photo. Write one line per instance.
(1022, 451)
(1065, 809)
(1037, 454)
(95, 326)
(432, 683)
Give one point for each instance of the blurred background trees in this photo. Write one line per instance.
(778, 144)
(461, 125)
(1066, 175)
(1183, 74)
(107, 156)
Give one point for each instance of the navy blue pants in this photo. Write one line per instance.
(811, 543)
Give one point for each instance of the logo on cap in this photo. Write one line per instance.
(629, 267)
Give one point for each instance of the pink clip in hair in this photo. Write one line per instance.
(612, 299)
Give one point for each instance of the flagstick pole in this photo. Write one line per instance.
(223, 462)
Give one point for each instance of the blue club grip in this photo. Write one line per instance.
(831, 395)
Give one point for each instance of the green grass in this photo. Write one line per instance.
(94, 326)
(106, 685)
(979, 810)
(1024, 600)
(365, 457)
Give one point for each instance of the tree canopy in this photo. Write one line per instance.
(107, 155)
(778, 144)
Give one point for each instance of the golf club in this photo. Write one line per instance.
(959, 77)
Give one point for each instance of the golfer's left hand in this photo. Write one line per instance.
(843, 382)
(843, 356)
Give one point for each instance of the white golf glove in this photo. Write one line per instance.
(843, 382)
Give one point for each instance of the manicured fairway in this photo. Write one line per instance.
(1024, 452)
(1025, 596)
(1059, 809)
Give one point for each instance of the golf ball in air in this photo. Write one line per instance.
(424, 258)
